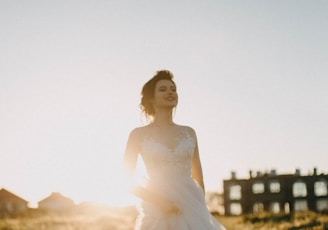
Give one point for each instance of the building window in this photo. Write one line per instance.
(299, 189)
(274, 187)
(275, 207)
(300, 205)
(287, 207)
(258, 207)
(235, 192)
(258, 187)
(235, 209)
(320, 188)
(322, 205)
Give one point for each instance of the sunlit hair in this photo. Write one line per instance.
(148, 91)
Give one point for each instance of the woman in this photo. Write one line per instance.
(173, 197)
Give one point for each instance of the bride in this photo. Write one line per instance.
(173, 196)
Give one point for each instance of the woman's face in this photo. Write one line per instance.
(165, 95)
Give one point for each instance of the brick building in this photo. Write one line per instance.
(274, 193)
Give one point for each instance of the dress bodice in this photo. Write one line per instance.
(169, 178)
(162, 162)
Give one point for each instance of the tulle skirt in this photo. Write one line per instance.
(188, 197)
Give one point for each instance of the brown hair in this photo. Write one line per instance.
(148, 90)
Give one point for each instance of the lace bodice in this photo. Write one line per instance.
(162, 162)
(169, 179)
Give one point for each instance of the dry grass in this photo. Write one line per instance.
(297, 221)
(124, 220)
(100, 219)
(66, 223)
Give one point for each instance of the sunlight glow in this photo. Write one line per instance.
(120, 195)
(71, 76)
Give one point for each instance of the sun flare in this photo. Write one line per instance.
(118, 189)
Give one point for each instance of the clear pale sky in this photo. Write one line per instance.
(252, 78)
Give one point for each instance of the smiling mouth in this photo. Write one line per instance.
(170, 98)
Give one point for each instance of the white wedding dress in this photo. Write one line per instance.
(169, 172)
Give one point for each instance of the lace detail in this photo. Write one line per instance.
(169, 172)
(162, 161)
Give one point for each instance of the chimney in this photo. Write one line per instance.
(273, 172)
(250, 174)
(233, 175)
(297, 172)
(315, 171)
(258, 174)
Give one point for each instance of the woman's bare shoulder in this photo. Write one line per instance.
(188, 129)
(138, 133)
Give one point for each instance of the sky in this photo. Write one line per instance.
(251, 77)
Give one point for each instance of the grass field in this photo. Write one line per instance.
(123, 219)
(297, 221)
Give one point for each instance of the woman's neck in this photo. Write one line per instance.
(163, 119)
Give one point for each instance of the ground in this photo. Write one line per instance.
(123, 219)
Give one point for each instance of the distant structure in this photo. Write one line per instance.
(214, 202)
(11, 203)
(274, 193)
(56, 202)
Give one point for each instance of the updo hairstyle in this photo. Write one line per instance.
(148, 90)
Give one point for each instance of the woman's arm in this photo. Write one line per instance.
(132, 151)
(196, 170)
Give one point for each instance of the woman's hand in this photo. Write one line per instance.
(163, 204)
(169, 207)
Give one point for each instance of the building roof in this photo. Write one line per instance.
(56, 197)
(6, 195)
